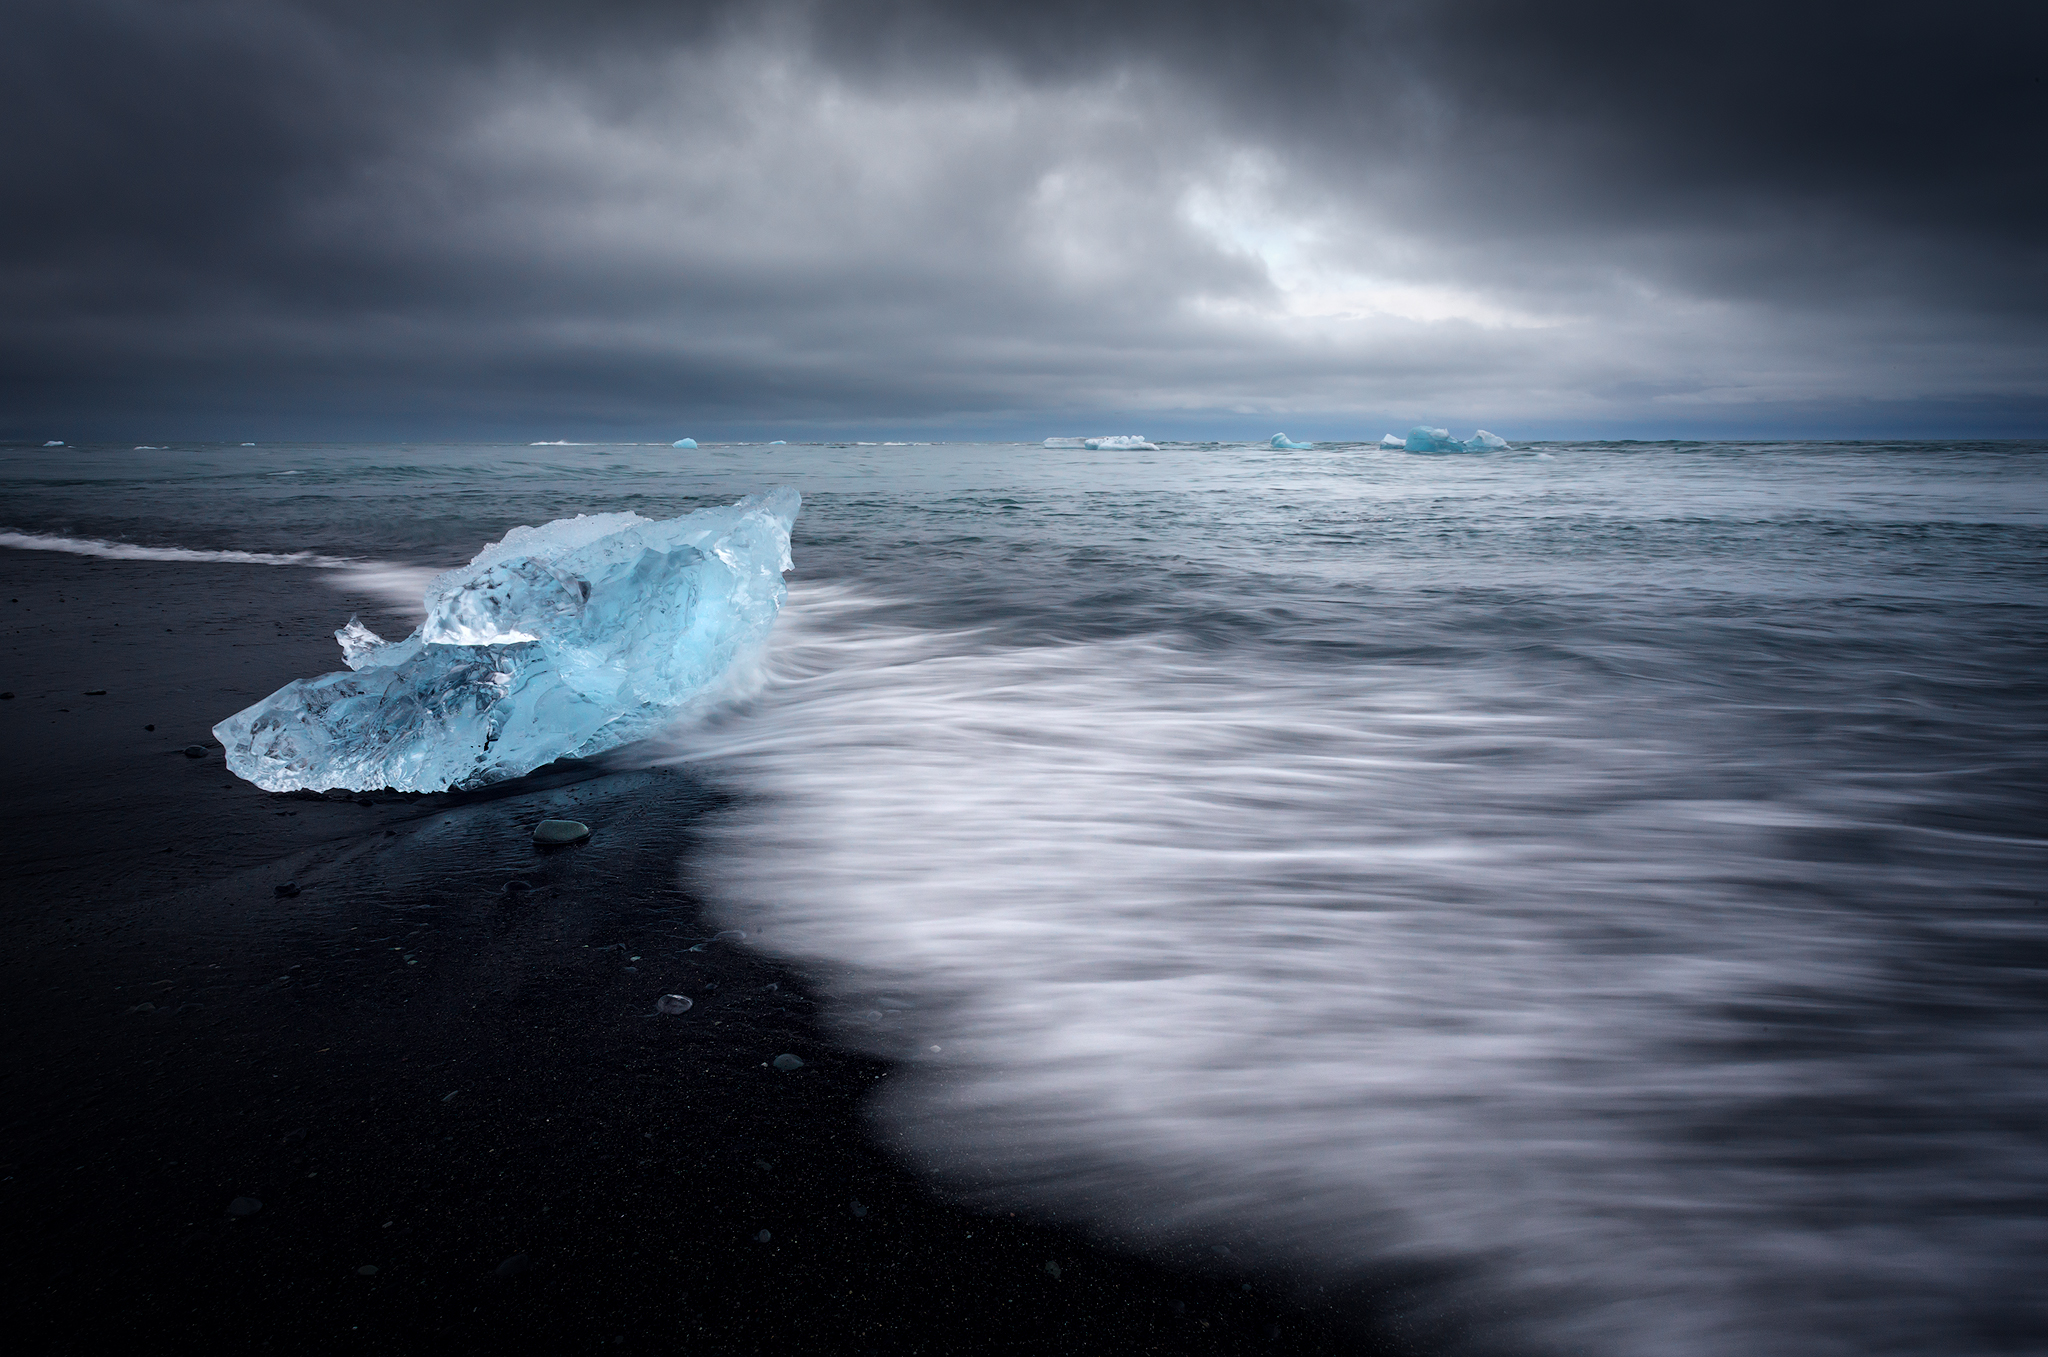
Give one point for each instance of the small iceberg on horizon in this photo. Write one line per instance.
(1422, 438)
(1282, 442)
(559, 641)
(1121, 442)
(684, 443)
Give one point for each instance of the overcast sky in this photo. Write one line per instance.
(488, 218)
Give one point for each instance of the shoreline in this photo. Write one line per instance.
(414, 1071)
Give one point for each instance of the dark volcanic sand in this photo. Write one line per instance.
(413, 1071)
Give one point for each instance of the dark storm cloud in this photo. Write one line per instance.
(506, 218)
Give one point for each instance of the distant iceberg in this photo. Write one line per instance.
(1282, 441)
(1422, 438)
(684, 443)
(1122, 442)
(563, 640)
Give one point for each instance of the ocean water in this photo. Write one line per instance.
(1580, 899)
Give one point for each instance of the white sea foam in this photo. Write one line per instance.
(130, 551)
(1361, 969)
(399, 585)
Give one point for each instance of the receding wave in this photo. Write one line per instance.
(1548, 1015)
(400, 585)
(130, 551)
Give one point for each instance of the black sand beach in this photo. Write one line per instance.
(408, 1108)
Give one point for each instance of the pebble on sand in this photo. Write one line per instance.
(286, 889)
(195, 751)
(552, 832)
(673, 1003)
(787, 1062)
(244, 1206)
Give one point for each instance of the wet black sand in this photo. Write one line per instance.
(464, 1121)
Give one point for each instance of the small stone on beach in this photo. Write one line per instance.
(287, 889)
(763, 1237)
(786, 1063)
(244, 1206)
(673, 1003)
(195, 751)
(516, 887)
(549, 833)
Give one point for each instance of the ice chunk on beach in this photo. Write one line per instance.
(562, 640)
(1121, 442)
(1282, 441)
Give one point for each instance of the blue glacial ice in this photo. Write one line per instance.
(1282, 441)
(1422, 438)
(684, 443)
(563, 640)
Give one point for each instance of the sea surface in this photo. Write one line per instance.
(1585, 898)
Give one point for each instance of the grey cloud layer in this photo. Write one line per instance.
(434, 219)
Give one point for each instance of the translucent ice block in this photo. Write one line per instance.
(566, 639)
